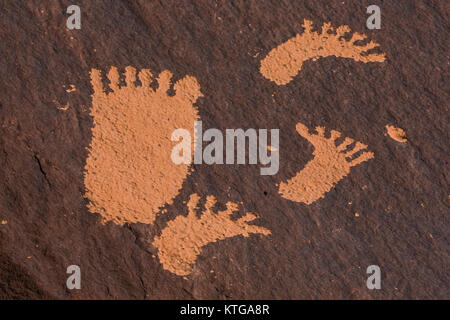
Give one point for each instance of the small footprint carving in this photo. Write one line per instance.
(330, 165)
(183, 238)
(284, 62)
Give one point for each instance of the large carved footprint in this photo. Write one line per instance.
(330, 165)
(183, 238)
(129, 174)
(284, 62)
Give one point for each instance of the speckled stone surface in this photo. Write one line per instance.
(391, 211)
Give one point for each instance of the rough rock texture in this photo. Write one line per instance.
(314, 251)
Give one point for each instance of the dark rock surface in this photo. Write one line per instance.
(315, 251)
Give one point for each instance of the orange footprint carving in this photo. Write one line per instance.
(329, 166)
(129, 174)
(284, 62)
(183, 238)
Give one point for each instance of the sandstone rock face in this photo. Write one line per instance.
(234, 64)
